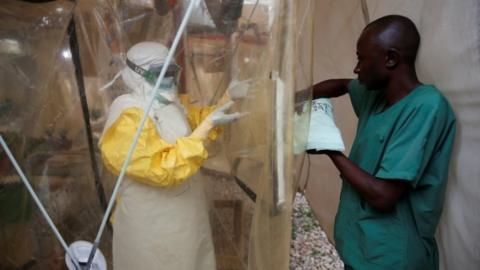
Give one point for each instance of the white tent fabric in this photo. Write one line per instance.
(449, 57)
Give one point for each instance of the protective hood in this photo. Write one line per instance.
(146, 55)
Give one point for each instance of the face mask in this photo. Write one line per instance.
(167, 84)
(167, 91)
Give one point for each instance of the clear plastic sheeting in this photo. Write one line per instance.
(245, 180)
(57, 56)
(41, 116)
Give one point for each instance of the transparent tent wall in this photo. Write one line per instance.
(42, 122)
(250, 175)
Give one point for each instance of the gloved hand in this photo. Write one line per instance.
(238, 89)
(216, 118)
(323, 133)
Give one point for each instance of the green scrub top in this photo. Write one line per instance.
(409, 141)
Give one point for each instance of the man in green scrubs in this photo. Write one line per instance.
(394, 180)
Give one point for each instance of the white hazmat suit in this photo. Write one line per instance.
(161, 216)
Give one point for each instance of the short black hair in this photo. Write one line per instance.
(397, 32)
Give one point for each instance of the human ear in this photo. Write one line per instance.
(392, 58)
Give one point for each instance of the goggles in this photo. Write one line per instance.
(151, 75)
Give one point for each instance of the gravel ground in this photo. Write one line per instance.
(310, 248)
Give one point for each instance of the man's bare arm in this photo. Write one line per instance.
(331, 88)
(381, 194)
(326, 89)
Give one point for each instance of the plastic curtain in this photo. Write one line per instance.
(54, 116)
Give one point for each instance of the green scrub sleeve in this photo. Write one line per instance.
(359, 96)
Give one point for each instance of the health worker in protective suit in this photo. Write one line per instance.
(161, 216)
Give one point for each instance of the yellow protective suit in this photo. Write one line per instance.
(161, 218)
